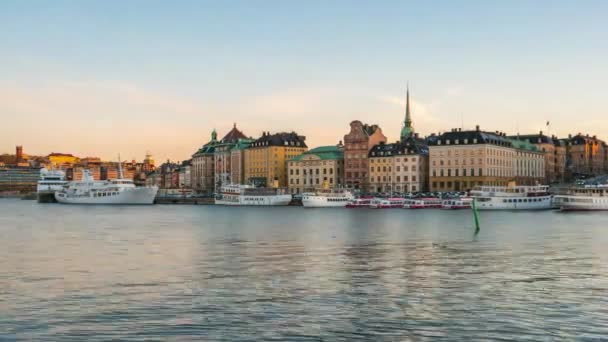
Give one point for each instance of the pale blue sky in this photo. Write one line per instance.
(103, 77)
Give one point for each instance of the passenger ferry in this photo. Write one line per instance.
(240, 194)
(327, 199)
(115, 191)
(387, 203)
(512, 197)
(457, 203)
(359, 203)
(50, 181)
(413, 203)
(590, 197)
(432, 203)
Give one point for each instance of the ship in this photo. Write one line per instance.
(512, 197)
(327, 199)
(585, 198)
(387, 203)
(113, 191)
(49, 182)
(249, 195)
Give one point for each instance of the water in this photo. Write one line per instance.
(181, 273)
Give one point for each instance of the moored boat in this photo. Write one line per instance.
(359, 203)
(457, 203)
(512, 197)
(248, 195)
(587, 198)
(327, 199)
(387, 203)
(413, 203)
(50, 181)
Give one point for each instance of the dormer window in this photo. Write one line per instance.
(456, 141)
(474, 140)
(447, 142)
(466, 141)
(438, 142)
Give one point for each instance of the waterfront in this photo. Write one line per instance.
(242, 273)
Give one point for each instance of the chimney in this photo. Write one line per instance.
(477, 128)
(541, 133)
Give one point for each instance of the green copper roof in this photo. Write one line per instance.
(324, 153)
(408, 129)
(523, 145)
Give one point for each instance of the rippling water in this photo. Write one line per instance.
(182, 273)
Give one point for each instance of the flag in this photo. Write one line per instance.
(547, 123)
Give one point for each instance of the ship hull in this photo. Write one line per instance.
(143, 195)
(515, 203)
(278, 200)
(46, 197)
(581, 203)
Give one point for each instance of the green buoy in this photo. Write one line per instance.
(476, 216)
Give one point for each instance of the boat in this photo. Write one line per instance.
(586, 198)
(327, 199)
(512, 197)
(359, 202)
(50, 181)
(387, 203)
(457, 203)
(249, 195)
(113, 191)
(432, 203)
(413, 203)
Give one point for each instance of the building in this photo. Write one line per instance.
(19, 155)
(460, 160)
(62, 160)
(266, 158)
(357, 144)
(23, 179)
(321, 167)
(554, 151)
(185, 174)
(237, 160)
(203, 167)
(223, 157)
(399, 167)
(586, 156)
(148, 164)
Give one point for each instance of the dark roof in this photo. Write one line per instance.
(580, 139)
(280, 139)
(534, 138)
(370, 129)
(471, 137)
(233, 136)
(409, 146)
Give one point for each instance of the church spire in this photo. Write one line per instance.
(407, 129)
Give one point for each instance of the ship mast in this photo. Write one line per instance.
(120, 176)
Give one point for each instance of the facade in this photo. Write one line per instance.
(357, 144)
(62, 160)
(460, 160)
(586, 156)
(237, 161)
(203, 167)
(319, 168)
(399, 167)
(19, 178)
(185, 174)
(266, 158)
(148, 164)
(555, 155)
(223, 157)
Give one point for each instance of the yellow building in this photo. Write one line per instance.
(266, 158)
(62, 159)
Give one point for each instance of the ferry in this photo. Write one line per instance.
(590, 197)
(432, 202)
(457, 203)
(114, 191)
(241, 194)
(50, 181)
(512, 197)
(327, 199)
(413, 203)
(387, 203)
(359, 203)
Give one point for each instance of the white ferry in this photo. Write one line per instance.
(359, 203)
(512, 197)
(387, 203)
(457, 203)
(327, 199)
(50, 181)
(240, 194)
(422, 203)
(590, 197)
(114, 191)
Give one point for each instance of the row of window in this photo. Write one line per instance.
(522, 200)
(388, 160)
(389, 168)
(305, 172)
(390, 179)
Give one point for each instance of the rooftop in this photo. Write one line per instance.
(332, 152)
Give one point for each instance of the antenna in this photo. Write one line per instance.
(120, 176)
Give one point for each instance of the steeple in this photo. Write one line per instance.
(407, 129)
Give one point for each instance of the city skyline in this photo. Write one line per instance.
(98, 79)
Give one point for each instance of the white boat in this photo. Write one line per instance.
(422, 203)
(50, 181)
(359, 203)
(457, 203)
(114, 191)
(512, 197)
(590, 197)
(327, 199)
(239, 194)
(387, 203)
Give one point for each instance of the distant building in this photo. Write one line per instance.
(223, 157)
(586, 156)
(460, 160)
(321, 167)
(237, 160)
(22, 179)
(185, 174)
(266, 158)
(203, 166)
(148, 164)
(357, 144)
(554, 151)
(62, 160)
(19, 155)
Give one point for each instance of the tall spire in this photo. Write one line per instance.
(407, 129)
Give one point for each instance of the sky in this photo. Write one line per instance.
(102, 78)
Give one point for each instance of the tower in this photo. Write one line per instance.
(407, 129)
(18, 154)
